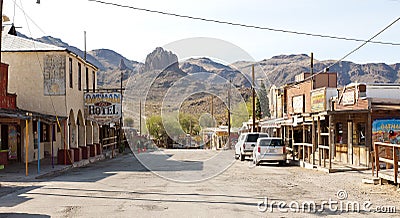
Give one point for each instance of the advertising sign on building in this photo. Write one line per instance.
(54, 75)
(103, 108)
(318, 102)
(298, 103)
(386, 130)
(348, 98)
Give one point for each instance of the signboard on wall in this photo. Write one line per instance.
(103, 108)
(54, 74)
(318, 102)
(386, 130)
(298, 103)
(348, 98)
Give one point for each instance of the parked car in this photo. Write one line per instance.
(269, 150)
(246, 142)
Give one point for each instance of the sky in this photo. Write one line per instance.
(134, 33)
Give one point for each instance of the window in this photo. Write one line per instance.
(94, 80)
(44, 132)
(70, 73)
(87, 79)
(79, 76)
(339, 133)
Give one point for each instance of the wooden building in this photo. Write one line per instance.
(358, 108)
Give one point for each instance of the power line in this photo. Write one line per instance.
(243, 25)
(354, 50)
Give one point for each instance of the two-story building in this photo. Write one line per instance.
(50, 81)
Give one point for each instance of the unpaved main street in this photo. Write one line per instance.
(122, 187)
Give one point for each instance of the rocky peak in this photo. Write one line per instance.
(161, 59)
(122, 65)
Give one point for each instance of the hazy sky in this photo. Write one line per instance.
(134, 33)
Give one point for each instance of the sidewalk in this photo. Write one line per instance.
(15, 172)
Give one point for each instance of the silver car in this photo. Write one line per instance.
(269, 150)
(246, 143)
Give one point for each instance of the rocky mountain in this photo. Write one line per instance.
(206, 65)
(277, 70)
(60, 43)
(161, 59)
(282, 69)
(112, 65)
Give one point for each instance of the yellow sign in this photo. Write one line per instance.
(318, 100)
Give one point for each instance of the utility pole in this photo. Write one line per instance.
(212, 108)
(120, 119)
(84, 39)
(254, 99)
(140, 117)
(312, 70)
(229, 114)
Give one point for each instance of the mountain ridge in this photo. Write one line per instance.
(278, 70)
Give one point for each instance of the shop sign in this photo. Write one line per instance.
(103, 108)
(54, 75)
(386, 130)
(348, 98)
(318, 102)
(298, 102)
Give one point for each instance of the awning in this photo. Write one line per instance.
(25, 115)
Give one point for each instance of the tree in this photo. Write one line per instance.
(240, 114)
(258, 109)
(156, 128)
(128, 122)
(264, 101)
(188, 123)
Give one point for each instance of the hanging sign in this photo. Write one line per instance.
(103, 108)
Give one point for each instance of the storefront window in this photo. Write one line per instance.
(361, 133)
(339, 133)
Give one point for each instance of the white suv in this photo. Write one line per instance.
(246, 143)
(269, 150)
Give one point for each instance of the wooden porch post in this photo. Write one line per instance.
(368, 138)
(304, 139)
(293, 142)
(313, 141)
(319, 140)
(330, 141)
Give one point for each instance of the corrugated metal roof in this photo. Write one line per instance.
(10, 43)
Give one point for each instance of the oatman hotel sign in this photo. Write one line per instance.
(103, 108)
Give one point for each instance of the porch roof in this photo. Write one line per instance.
(25, 115)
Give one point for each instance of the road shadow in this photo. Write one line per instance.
(127, 163)
(12, 195)
(22, 215)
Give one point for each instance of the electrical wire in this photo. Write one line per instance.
(27, 16)
(354, 50)
(42, 69)
(243, 25)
